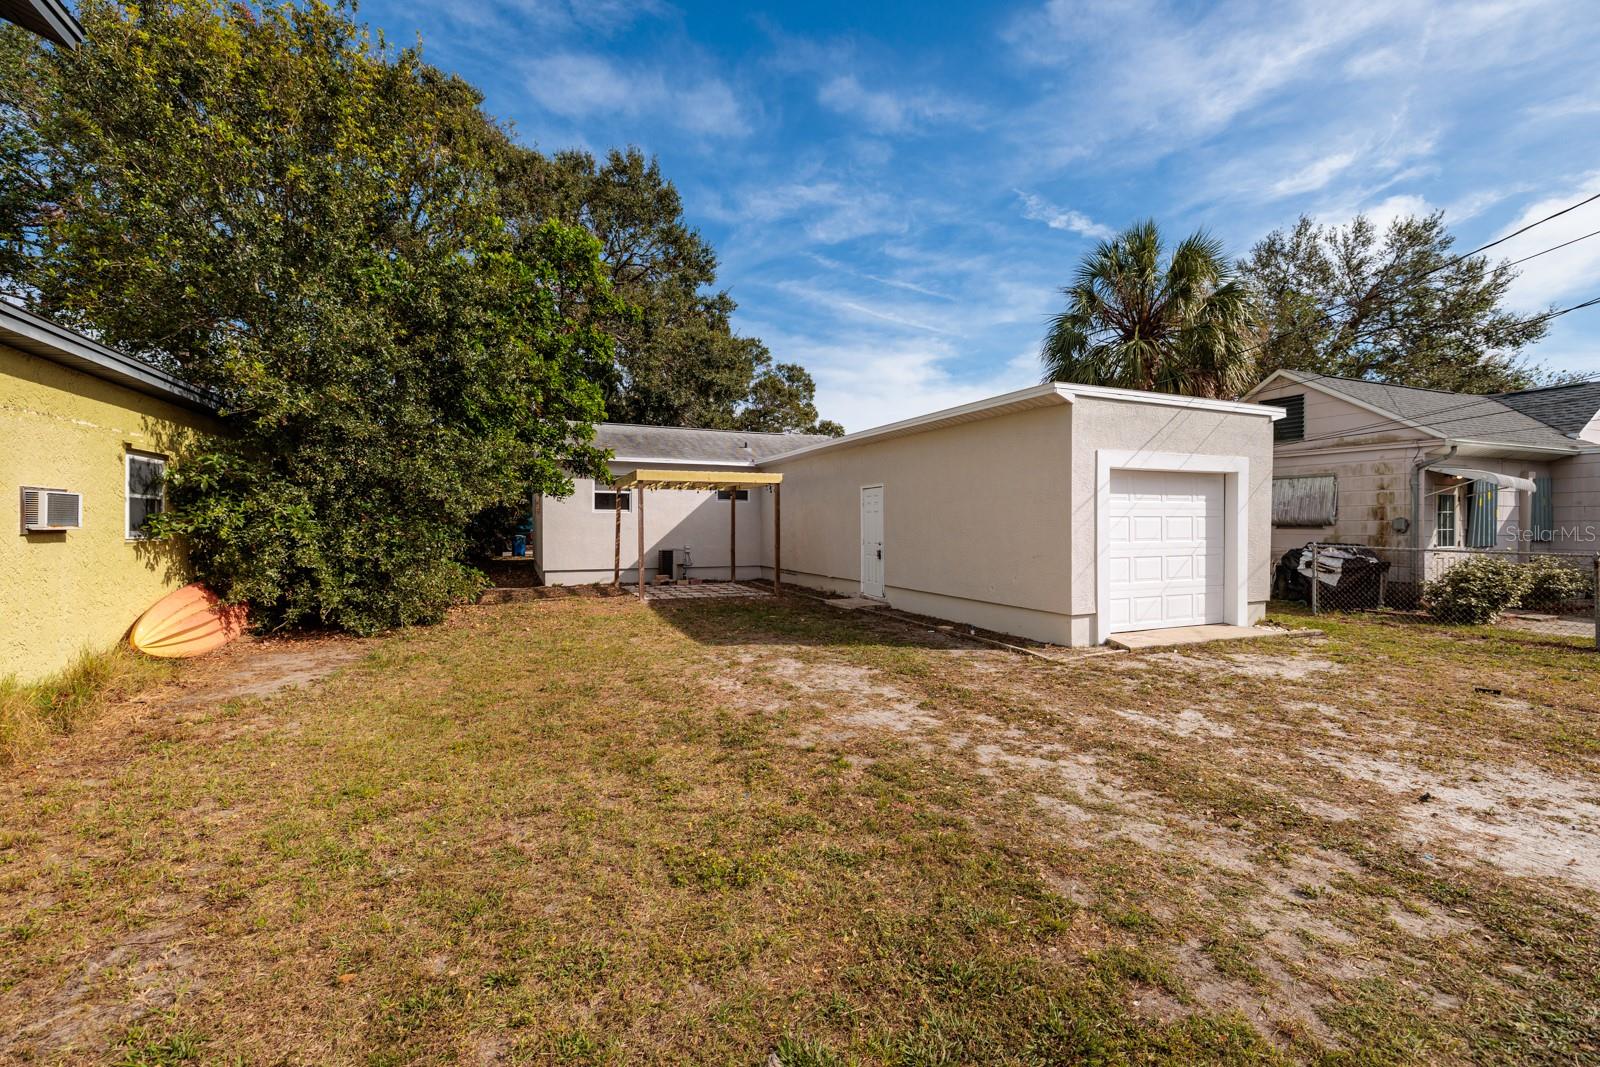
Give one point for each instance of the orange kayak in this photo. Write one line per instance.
(187, 622)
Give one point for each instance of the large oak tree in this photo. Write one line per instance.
(1397, 305)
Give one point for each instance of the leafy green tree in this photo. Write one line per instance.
(275, 205)
(1138, 319)
(679, 363)
(1394, 306)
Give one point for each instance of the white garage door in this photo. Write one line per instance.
(1164, 549)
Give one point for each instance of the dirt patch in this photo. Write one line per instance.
(147, 971)
(1293, 667)
(271, 670)
(1520, 819)
(1185, 723)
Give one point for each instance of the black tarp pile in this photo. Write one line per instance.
(1350, 575)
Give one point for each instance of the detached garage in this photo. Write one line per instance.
(1062, 513)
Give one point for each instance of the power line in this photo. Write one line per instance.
(1380, 290)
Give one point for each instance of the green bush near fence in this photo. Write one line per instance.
(1479, 588)
(1552, 581)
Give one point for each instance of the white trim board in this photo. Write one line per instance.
(1236, 524)
(1021, 400)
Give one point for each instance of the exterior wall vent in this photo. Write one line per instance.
(50, 510)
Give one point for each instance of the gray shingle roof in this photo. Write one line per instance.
(1568, 408)
(686, 445)
(1475, 418)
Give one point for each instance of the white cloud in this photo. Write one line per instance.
(1314, 175)
(583, 85)
(1040, 210)
(822, 210)
(887, 111)
(866, 380)
(1565, 275)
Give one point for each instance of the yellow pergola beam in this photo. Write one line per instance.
(673, 479)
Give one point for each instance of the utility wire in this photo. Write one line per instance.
(1383, 291)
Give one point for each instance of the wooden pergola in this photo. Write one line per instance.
(729, 482)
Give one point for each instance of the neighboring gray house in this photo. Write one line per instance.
(1366, 463)
(1058, 512)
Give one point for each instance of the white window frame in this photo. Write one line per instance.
(597, 488)
(128, 456)
(1452, 494)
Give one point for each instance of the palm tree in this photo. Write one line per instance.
(1183, 326)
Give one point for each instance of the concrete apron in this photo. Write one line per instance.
(1140, 640)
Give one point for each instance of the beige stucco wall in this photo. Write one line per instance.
(574, 544)
(66, 592)
(975, 519)
(1128, 426)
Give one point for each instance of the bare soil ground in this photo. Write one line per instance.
(598, 832)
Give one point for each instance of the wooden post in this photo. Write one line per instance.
(777, 537)
(616, 552)
(639, 504)
(733, 535)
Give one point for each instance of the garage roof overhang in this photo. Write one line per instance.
(680, 479)
(1035, 396)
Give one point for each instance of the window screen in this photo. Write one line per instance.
(606, 499)
(1305, 500)
(1292, 427)
(146, 494)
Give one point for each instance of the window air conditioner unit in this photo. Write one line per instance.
(50, 510)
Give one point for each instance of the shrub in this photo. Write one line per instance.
(1476, 590)
(1552, 581)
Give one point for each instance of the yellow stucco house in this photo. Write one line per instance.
(86, 434)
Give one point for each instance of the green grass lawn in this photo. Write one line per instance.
(586, 832)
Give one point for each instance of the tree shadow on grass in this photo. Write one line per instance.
(793, 619)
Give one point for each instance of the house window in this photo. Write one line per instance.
(738, 494)
(1292, 427)
(606, 499)
(1305, 500)
(145, 479)
(1483, 514)
(1445, 522)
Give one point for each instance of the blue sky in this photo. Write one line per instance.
(897, 191)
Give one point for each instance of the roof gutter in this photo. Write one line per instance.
(39, 337)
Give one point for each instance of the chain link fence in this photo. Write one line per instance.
(1549, 593)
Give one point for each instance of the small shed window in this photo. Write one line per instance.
(146, 477)
(1483, 514)
(1445, 520)
(1292, 427)
(606, 499)
(738, 494)
(1544, 508)
(1305, 500)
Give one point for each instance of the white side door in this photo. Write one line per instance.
(1164, 549)
(872, 541)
